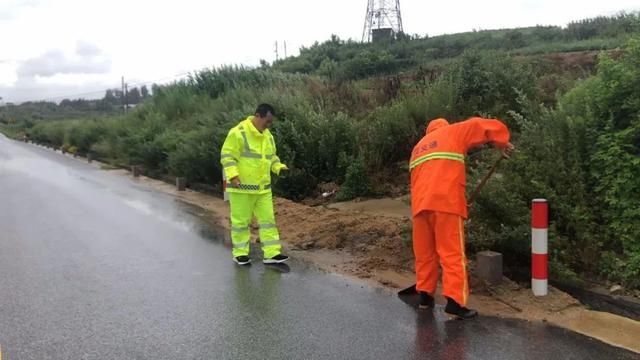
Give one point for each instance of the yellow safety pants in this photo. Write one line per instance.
(243, 208)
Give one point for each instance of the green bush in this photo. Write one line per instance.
(295, 184)
(490, 83)
(356, 182)
(84, 133)
(196, 157)
(52, 133)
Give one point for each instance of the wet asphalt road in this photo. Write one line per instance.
(94, 265)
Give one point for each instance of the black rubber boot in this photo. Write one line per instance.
(453, 308)
(426, 300)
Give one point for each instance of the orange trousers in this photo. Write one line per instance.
(439, 238)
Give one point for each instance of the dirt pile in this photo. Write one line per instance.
(373, 242)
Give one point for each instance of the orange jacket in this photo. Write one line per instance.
(438, 178)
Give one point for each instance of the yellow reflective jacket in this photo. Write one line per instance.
(251, 155)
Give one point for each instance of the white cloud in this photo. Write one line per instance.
(86, 60)
(87, 49)
(8, 75)
(10, 9)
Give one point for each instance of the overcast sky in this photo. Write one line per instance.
(51, 49)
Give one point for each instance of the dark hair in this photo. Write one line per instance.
(263, 109)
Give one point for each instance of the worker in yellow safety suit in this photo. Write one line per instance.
(248, 157)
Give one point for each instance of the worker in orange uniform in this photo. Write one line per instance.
(439, 206)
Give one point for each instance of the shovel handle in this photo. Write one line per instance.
(484, 180)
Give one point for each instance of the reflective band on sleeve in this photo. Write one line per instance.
(437, 155)
(227, 156)
(269, 157)
(230, 164)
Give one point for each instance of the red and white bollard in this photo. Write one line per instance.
(539, 248)
(225, 194)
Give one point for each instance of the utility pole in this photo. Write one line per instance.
(124, 110)
(276, 51)
(285, 49)
(126, 97)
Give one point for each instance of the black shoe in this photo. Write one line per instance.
(453, 308)
(426, 301)
(276, 259)
(242, 260)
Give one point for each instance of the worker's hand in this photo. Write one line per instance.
(284, 167)
(236, 181)
(508, 151)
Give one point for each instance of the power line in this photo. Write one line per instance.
(73, 95)
(175, 77)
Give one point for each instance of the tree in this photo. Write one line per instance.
(328, 68)
(264, 64)
(515, 39)
(110, 98)
(144, 91)
(133, 96)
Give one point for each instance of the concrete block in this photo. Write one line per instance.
(489, 266)
(89, 157)
(135, 170)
